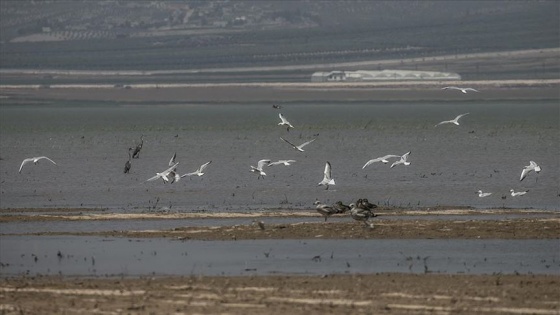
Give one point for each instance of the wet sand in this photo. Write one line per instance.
(332, 294)
(386, 225)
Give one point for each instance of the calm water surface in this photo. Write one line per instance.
(449, 163)
(94, 256)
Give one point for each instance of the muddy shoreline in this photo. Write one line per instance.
(387, 225)
(332, 294)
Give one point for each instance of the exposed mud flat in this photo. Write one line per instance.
(333, 294)
(386, 225)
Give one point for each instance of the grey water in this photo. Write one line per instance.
(96, 256)
(449, 163)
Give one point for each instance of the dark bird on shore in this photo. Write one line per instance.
(276, 106)
(340, 207)
(136, 153)
(365, 204)
(360, 214)
(127, 165)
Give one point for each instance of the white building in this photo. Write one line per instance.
(384, 75)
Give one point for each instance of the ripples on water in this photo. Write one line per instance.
(449, 163)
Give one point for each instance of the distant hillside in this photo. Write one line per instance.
(169, 35)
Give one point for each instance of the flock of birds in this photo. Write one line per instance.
(361, 210)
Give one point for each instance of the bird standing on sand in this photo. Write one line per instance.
(284, 122)
(360, 214)
(527, 169)
(339, 207)
(325, 210)
(34, 160)
(452, 121)
(365, 204)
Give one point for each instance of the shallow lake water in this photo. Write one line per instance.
(98, 256)
(449, 163)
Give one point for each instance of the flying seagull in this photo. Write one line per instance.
(259, 168)
(464, 90)
(285, 162)
(483, 194)
(380, 159)
(403, 160)
(166, 175)
(324, 210)
(34, 160)
(519, 193)
(327, 178)
(298, 147)
(452, 121)
(527, 169)
(172, 161)
(199, 171)
(284, 122)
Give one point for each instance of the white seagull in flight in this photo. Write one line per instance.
(298, 147)
(380, 159)
(284, 122)
(483, 194)
(403, 160)
(519, 193)
(172, 161)
(165, 175)
(285, 162)
(531, 167)
(259, 168)
(452, 121)
(464, 90)
(34, 160)
(327, 178)
(199, 171)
